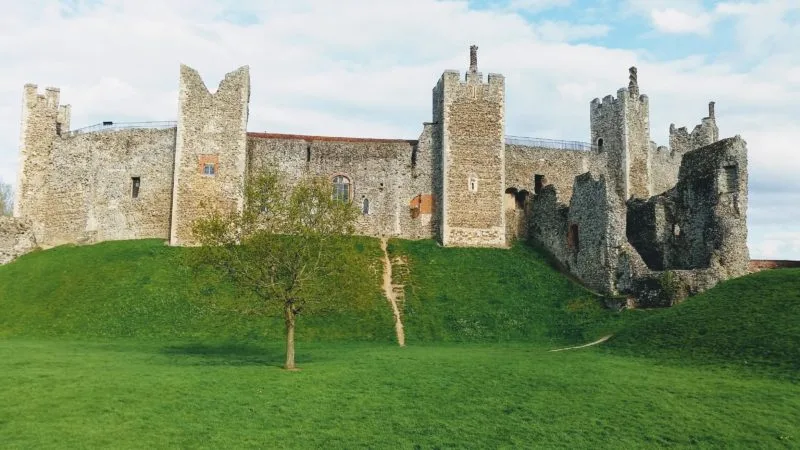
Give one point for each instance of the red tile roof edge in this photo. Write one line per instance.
(325, 138)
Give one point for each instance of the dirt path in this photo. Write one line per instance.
(389, 291)
(599, 341)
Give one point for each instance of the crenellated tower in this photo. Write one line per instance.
(620, 127)
(210, 149)
(470, 119)
(43, 120)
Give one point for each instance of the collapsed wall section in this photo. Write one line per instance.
(695, 234)
(210, 149)
(390, 181)
(665, 161)
(585, 237)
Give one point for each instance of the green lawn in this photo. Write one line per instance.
(136, 394)
(121, 345)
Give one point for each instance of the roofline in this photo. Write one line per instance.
(326, 138)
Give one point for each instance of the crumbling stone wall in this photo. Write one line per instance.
(558, 167)
(393, 176)
(665, 162)
(473, 151)
(212, 129)
(697, 231)
(16, 238)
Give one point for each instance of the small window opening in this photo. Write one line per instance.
(135, 183)
(676, 229)
(58, 128)
(728, 180)
(600, 145)
(572, 238)
(308, 153)
(209, 169)
(538, 183)
(365, 207)
(341, 188)
(510, 198)
(473, 184)
(520, 199)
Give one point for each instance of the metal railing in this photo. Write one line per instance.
(112, 126)
(550, 143)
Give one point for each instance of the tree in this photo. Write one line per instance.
(6, 199)
(280, 243)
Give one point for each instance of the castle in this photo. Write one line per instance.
(622, 214)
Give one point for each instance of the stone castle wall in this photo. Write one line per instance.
(473, 151)
(212, 130)
(391, 181)
(557, 167)
(16, 238)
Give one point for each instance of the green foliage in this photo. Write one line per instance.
(748, 321)
(282, 244)
(485, 295)
(144, 289)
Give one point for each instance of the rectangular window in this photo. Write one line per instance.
(135, 183)
(209, 169)
(538, 183)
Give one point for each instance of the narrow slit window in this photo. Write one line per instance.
(365, 206)
(308, 153)
(135, 184)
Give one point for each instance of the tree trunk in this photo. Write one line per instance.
(289, 317)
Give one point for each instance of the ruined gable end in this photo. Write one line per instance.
(210, 149)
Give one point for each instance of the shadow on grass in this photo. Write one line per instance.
(230, 354)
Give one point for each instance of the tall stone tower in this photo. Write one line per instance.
(470, 121)
(210, 149)
(43, 121)
(620, 127)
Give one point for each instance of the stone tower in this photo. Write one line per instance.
(470, 119)
(620, 127)
(210, 149)
(43, 120)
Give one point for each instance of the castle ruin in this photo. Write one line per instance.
(624, 215)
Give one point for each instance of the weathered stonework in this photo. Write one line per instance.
(622, 214)
(472, 121)
(16, 238)
(211, 127)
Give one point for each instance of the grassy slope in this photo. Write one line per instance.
(143, 289)
(474, 294)
(753, 320)
(134, 394)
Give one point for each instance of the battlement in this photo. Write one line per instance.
(705, 133)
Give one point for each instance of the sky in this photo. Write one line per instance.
(366, 68)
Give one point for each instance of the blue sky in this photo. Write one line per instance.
(366, 68)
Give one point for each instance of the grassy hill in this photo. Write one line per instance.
(752, 320)
(121, 345)
(144, 289)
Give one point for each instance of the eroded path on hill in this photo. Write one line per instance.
(392, 292)
(599, 341)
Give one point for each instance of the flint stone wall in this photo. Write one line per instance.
(16, 239)
(394, 176)
(88, 187)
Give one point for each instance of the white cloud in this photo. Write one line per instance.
(366, 68)
(673, 21)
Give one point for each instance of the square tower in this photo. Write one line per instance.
(470, 117)
(620, 127)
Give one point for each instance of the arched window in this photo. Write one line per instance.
(365, 206)
(600, 145)
(341, 188)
